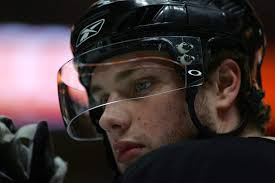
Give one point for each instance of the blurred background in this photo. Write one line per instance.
(34, 44)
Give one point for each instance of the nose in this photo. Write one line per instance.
(115, 119)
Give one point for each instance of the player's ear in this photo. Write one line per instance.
(223, 89)
(228, 84)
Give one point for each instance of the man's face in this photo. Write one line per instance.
(147, 107)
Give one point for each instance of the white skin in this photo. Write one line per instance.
(163, 119)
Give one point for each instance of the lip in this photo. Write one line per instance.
(127, 150)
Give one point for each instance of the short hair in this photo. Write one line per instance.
(250, 97)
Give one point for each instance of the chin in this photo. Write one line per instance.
(123, 166)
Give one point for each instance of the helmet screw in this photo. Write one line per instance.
(186, 59)
(184, 47)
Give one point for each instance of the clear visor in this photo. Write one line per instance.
(130, 74)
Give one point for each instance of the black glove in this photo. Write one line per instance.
(26, 155)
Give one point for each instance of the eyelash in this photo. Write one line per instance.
(141, 83)
(149, 82)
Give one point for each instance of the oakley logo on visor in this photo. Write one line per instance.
(89, 31)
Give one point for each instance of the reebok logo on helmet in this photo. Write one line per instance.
(89, 31)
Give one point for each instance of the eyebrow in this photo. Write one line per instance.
(125, 74)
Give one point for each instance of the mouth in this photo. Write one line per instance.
(127, 151)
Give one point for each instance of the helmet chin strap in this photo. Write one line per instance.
(204, 131)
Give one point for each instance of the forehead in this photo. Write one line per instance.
(133, 59)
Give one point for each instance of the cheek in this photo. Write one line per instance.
(205, 109)
(164, 120)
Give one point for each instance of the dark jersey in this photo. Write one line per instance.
(218, 160)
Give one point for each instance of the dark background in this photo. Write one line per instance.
(68, 11)
(86, 160)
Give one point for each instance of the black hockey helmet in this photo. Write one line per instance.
(111, 21)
